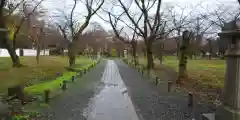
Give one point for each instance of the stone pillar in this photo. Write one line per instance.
(230, 110)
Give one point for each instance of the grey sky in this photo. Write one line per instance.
(65, 5)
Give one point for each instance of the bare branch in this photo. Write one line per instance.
(157, 23)
(63, 30)
(91, 12)
(18, 27)
(131, 19)
(114, 25)
(13, 8)
(71, 18)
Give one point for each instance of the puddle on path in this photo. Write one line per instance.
(112, 102)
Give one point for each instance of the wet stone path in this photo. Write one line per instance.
(104, 94)
(112, 102)
(98, 95)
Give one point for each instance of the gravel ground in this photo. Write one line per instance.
(70, 105)
(155, 103)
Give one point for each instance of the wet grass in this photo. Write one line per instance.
(206, 72)
(34, 73)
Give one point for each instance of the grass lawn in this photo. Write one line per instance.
(207, 72)
(47, 68)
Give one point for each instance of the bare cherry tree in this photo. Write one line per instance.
(3, 34)
(180, 20)
(149, 31)
(75, 28)
(113, 20)
(26, 13)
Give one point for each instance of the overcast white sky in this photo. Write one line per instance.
(65, 5)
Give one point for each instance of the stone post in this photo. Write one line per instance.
(183, 57)
(230, 110)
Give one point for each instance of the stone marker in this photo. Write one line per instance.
(230, 110)
(169, 86)
(17, 92)
(190, 99)
(3, 110)
(64, 85)
(157, 81)
(73, 78)
(46, 95)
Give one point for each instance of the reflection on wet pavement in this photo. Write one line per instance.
(112, 102)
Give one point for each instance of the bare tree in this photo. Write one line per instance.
(201, 27)
(11, 7)
(218, 18)
(180, 22)
(92, 7)
(5, 41)
(38, 35)
(26, 16)
(133, 41)
(151, 31)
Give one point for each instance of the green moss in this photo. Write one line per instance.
(54, 85)
(50, 85)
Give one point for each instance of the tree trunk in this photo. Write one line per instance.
(161, 52)
(7, 45)
(72, 53)
(178, 48)
(38, 51)
(222, 53)
(12, 53)
(14, 44)
(210, 50)
(183, 57)
(190, 55)
(134, 53)
(144, 52)
(150, 63)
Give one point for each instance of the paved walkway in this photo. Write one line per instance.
(103, 97)
(103, 94)
(113, 102)
(70, 105)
